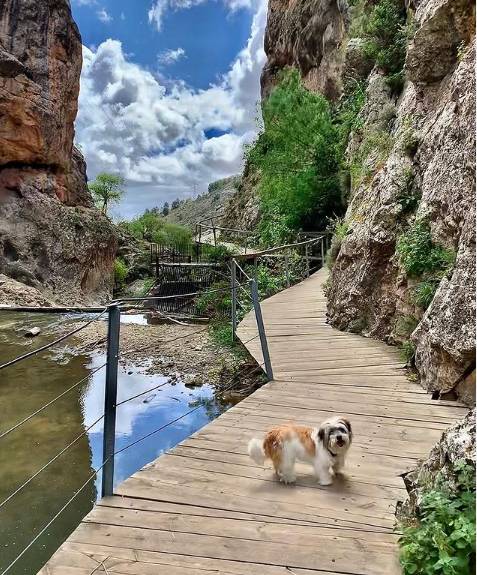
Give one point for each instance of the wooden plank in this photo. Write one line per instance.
(205, 508)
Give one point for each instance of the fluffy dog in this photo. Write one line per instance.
(324, 447)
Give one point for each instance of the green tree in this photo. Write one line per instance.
(106, 189)
(298, 156)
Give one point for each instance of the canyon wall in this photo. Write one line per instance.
(411, 159)
(51, 236)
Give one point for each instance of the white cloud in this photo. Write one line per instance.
(170, 56)
(130, 123)
(104, 16)
(123, 16)
(160, 7)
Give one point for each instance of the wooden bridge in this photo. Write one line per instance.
(204, 508)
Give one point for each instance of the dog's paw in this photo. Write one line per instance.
(325, 482)
(287, 479)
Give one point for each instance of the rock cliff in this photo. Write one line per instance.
(411, 156)
(51, 236)
(417, 182)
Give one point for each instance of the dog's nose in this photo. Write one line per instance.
(339, 438)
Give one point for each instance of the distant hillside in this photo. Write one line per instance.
(212, 203)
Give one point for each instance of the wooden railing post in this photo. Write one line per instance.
(110, 398)
(322, 252)
(261, 329)
(233, 270)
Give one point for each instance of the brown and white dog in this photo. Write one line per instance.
(324, 447)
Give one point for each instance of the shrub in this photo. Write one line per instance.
(386, 36)
(120, 272)
(442, 540)
(408, 196)
(424, 293)
(213, 303)
(347, 114)
(418, 254)
(297, 154)
(405, 325)
(370, 156)
(216, 254)
(408, 351)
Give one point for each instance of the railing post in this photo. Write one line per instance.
(233, 270)
(287, 270)
(307, 259)
(261, 329)
(322, 252)
(110, 397)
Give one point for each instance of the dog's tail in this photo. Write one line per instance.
(256, 452)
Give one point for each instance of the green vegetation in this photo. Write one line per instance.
(408, 351)
(370, 156)
(298, 155)
(419, 255)
(405, 325)
(347, 117)
(442, 540)
(386, 34)
(408, 136)
(340, 229)
(106, 189)
(120, 272)
(408, 196)
(152, 227)
(216, 254)
(424, 293)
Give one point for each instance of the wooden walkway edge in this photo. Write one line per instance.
(204, 508)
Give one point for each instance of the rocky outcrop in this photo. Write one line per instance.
(456, 445)
(211, 204)
(308, 35)
(242, 209)
(414, 160)
(51, 236)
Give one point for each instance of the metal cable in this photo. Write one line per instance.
(142, 393)
(40, 533)
(153, 298)
(32, 477)
(78, 383)
(51, 344)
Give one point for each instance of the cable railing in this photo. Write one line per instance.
(109, 451)
(243, 280)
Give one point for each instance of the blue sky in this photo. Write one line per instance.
(169, 91)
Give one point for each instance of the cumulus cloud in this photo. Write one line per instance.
(160, 7)
(104, 16)
(170, 56)
(155, 134)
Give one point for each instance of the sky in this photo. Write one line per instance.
(169, 93)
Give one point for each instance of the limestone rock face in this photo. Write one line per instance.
(51, 236)
(456, 444)
(435, 116)
(242, 209)
(306, 34)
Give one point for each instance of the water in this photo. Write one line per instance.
(30, 384)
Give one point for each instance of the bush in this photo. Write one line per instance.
(424, 293)
(407, 352)
(370, 156)
(442, 541)
(386, 36)
(215, 304)
(408, 196)
(216, 254)
(120, 272)
(298, 156)
(418, 254)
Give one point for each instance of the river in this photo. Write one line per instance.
(30, 384)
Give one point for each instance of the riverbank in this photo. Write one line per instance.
(180, 352)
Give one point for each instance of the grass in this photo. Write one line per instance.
(370, 156)
(419, 255)
(407, 352)
(424, 293)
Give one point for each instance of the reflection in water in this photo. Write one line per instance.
(30, 384)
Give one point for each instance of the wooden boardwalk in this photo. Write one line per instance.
(204, 508)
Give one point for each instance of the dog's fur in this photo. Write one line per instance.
(324, 447)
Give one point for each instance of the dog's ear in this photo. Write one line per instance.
(321, 434)
(348, 425)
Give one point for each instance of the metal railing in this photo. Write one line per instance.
(109, 451)
(240, 282)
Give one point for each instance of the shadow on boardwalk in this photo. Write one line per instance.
(205, 508)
